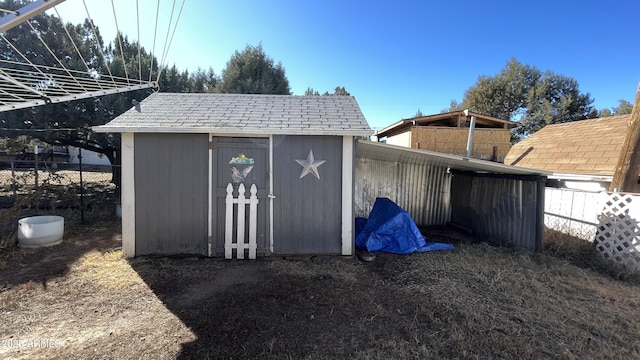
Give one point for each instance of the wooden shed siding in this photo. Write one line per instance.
(171, 183)
(307, 216)
(454, 141)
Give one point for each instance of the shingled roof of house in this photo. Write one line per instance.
(248, 114)
(588, 147)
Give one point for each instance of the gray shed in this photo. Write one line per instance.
(182, 152)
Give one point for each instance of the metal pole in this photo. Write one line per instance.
(26, 12)
(470, 139)
(541, 183)
(35, 172)
(13, 181)
(81, 186)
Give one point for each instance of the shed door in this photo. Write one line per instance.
(307, 210)
(235, 161)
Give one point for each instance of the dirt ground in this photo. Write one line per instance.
(81, 299)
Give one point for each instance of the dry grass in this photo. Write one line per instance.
(108, 270)
(475, 302)
(581, 253)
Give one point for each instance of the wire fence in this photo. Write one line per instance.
(80, 193)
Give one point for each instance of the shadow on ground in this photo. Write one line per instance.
(265, 308)
(302, 308)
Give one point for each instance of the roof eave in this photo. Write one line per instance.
(390, 127)
(581, 177)
(243, 131)
(418, 119)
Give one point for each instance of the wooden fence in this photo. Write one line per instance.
(610, 220)
(240, 243)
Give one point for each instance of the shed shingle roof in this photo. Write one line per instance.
(243, 113)
(587, 147)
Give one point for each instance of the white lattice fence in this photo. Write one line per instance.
(618, 236)
(240, 243)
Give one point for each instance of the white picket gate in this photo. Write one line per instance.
(240, 244)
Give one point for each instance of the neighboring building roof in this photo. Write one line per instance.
(243, 114)
(588, 147)
(394, 153)
(450, 119)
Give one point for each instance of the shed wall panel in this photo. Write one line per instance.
(498, 210)
(422, 190)
(307, 212)
(171, 182)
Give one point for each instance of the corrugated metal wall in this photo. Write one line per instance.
(499, 209)
(501, 204)
(422, 190)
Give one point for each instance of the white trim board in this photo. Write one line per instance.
(210, 240)
(347, 195)
(271, 195)
(128, 195)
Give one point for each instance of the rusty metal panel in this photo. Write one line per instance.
(499, 209)
(422, 190)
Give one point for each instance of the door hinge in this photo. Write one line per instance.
(210, 145)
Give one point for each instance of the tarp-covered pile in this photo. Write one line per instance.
(391, 229)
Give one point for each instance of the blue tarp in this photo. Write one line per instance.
(391, 229)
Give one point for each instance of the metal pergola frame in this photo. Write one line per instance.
(24, 84)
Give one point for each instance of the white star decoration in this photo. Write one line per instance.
(310, 165)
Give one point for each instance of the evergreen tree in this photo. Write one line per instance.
(525, 94)
(251, 71)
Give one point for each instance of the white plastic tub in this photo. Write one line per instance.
(38, 231)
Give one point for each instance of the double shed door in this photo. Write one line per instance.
(307, 212)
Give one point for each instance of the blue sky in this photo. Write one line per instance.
(401, 56)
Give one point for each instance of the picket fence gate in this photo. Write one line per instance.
(240, 243)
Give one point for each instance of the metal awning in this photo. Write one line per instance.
(393, 153)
